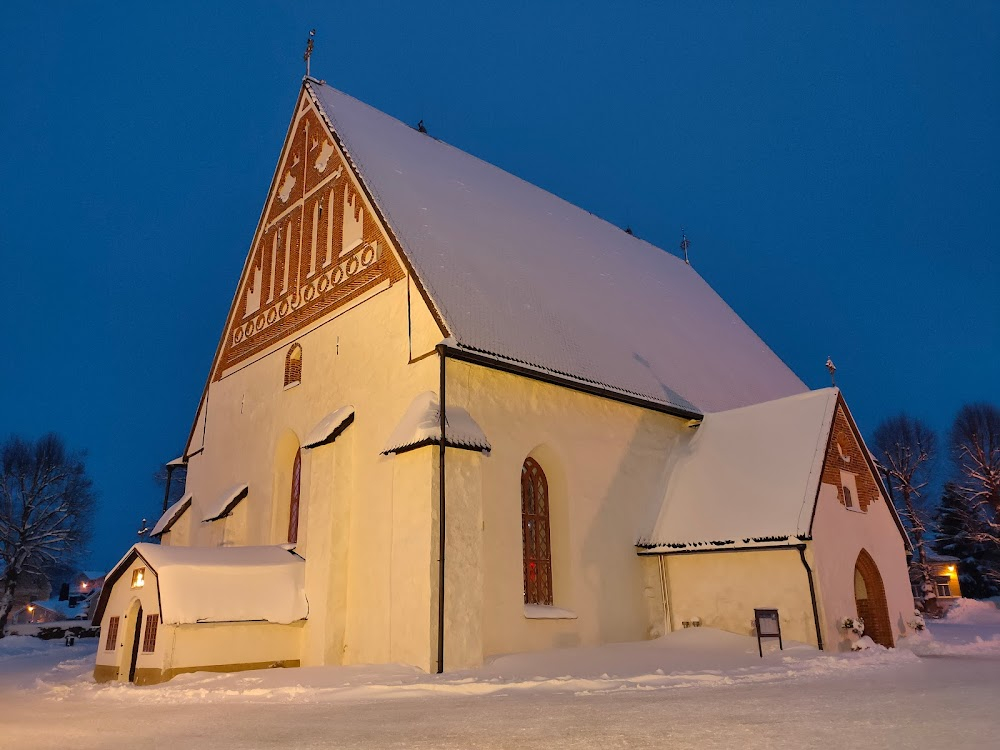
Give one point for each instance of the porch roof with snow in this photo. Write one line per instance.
(748, 477)
(219, 584)
(521, 276)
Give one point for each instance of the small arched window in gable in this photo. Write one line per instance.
(537, 552)
(293, 366)
(293, 500)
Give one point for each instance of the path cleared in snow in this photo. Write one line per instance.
(695, 688)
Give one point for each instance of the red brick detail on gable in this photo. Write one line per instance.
(835, 462)
(318, 248)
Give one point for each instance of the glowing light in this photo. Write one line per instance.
(138, 578)
(951, 568)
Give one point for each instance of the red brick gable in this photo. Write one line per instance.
(318, 246)
(845, 453)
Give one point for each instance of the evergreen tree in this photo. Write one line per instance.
(960, 534)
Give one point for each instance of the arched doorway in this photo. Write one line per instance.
(869, 596)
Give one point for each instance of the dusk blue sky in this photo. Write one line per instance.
(835, 168)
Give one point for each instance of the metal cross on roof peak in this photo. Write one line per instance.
(309, 50)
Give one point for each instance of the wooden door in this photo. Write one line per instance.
(135, 645)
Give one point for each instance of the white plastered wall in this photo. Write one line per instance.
(604, 462)
(360, 357)
(722, 589)
(839, 535)
(231, 644)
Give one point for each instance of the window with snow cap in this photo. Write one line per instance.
(537, 552)
(849, 488)
(293, 366)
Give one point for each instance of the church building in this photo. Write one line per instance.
(452, 416)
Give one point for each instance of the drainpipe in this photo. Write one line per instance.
(668, 626)
(441, 512)
(812, 594)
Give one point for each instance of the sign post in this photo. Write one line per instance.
(768, 626)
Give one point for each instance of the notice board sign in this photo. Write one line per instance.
(768, 626)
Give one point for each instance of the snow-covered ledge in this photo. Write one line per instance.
(547, 612)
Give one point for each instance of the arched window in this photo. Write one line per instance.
(535, 534)
(293, 366)
(293, 500)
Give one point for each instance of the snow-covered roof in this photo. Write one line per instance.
(223, 505)
(746, 477)
(934, 557)
(171, 515)
(220, 584)
(521, 275)
(92, 575)
(60, 608)
(328, 428)
(421, 425)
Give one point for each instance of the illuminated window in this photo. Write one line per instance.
(112, 639)
(293, 366)
(537, 553)
(943, 585)
(138, 578)
(149, 640)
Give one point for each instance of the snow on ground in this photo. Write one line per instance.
(694, 688)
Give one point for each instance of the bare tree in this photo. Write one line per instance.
(975, 444)
(905, 449)
(46, 501)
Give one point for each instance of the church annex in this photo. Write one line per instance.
(453, 416)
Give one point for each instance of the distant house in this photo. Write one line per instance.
(943, 590)
(86, 582)
(35, 612)
(453, 416)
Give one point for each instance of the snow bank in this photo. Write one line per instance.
(19, 645)
(698, 657)
(973, 612)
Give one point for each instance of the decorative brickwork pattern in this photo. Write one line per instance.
(873, 608)
(318, 248)
(846, 454)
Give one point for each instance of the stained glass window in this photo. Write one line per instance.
(535, 534)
